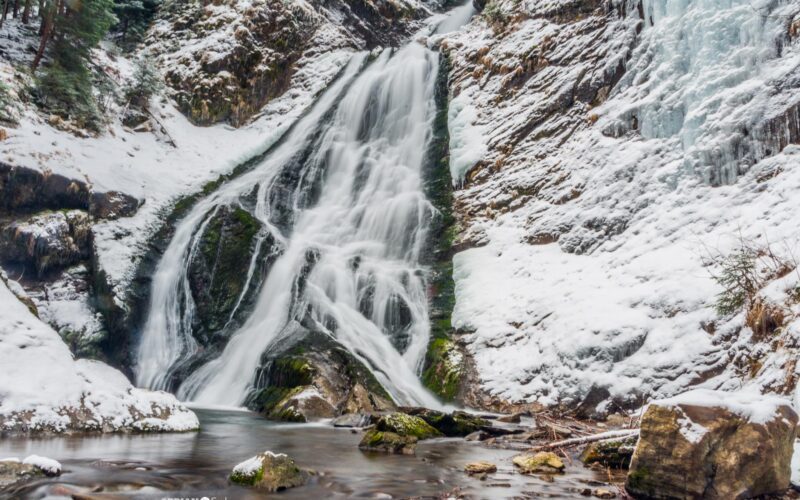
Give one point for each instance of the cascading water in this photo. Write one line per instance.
(348, 227)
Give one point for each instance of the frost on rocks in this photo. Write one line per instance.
(619, 152)
(43, 389)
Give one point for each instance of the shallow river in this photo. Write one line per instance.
(196, 465)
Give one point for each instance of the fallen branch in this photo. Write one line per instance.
(625, 433)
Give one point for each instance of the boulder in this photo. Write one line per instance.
(455, 424)
(544, 462)
(480, 468)
(269, 472)
(713, 444)
(12, 471)
(388, 442)
(113, 205)
(406, 425)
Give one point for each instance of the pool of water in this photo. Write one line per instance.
(196, 465)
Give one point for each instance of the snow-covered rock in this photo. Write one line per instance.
(43, 389)
(619, 147)
(714, 444)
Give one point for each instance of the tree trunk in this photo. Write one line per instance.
(26, 13)
(48, 19)
(16, 9)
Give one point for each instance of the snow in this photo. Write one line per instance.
(146, 165)
(467, 146)
(751, 406)
(590, 239)
(44, 389)
(249, 467)
(47, 465)
(254, 464)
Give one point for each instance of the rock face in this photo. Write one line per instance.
(218, 272)
(269, 472)
(614, 453)
(224, 61)
(706, 444)
(47, 241)
(22, 187)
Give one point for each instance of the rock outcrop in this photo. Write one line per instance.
(224, 61)
(715, 445)
(47, 241)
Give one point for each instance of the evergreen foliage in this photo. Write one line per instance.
(145, 82)
(65, 85)
(134, 17)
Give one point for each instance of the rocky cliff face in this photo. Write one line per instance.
(607, 153)
(225, 60)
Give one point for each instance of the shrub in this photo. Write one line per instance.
(144, 83)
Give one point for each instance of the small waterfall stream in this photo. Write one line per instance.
(341, 205)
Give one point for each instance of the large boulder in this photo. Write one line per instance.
(712, 444)
(455, 424)
(406, 425)
(388, 442)
(269, 472)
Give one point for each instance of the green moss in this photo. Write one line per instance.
(637, 479)
(406, 425)
(443, 370)
(247, 479)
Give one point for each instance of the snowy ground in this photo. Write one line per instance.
(595, 229)
(43, 388)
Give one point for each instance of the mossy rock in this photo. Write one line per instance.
(268, 472)
(218, 270)
(544, 462)
(613, 453)
(406, 425)
(444, 368)
(388, 442)
(455, 424)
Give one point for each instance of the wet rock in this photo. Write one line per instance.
(312, 364)
(113, 205)
(269, 472)
(603, 493)
(544, 462)
(444, 368)
(478, 436)
(406, 425)
(710, 444)
(354, 420)
(614, 453)
(388, 442)
(455, 424)
(47, 241)
(13, 472)
(218, 271)
(480, 468)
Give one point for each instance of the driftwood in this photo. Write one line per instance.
(603, 436)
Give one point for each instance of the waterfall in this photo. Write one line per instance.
(350, 228)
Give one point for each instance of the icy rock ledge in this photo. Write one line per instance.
(714, 444)
(45, 390)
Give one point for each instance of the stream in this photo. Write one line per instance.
(196, 465)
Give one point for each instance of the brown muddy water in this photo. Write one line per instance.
(196, 465)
